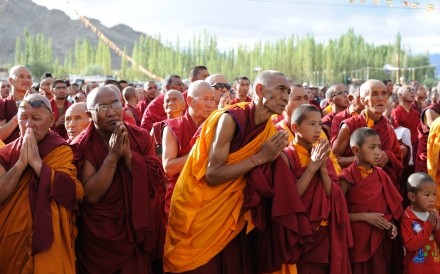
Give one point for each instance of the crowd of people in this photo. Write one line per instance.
(208, 176)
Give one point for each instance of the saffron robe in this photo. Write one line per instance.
(61, 129)
(433, 148)
(183, 128)
(204, 220)
(423, 132)
(122, 231)
(389, 142)
(328, 216)
(8, 109)
(37, 222)
(375, 193)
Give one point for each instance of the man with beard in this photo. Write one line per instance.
(59, 105)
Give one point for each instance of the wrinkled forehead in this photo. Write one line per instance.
(76, 111)
(173, 95)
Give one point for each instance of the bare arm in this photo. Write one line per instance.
(339, 146)
(218, 172)
(8, 127)
(430, 116)
(171, 164)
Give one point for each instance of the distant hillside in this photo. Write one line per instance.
(19, 14)
(435, 60)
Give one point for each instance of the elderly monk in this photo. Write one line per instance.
(76, 119)
(123, 182)
(177, 133)
(20, 80)
(39, 195)
(206, 222)
(373, 94)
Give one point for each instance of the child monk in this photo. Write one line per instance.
(374, 204)
(421, 226)
(323, 200)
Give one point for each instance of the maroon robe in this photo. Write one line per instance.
(125, 229)
(142, 105)
(389, 142)
(329, 251)
(410, 120)
(135, 113)
(375, 193)
(327, 120)
(183, 128)
(61, 129)
(336, 123)
(8, 109)
(422, 133)
(237, 100)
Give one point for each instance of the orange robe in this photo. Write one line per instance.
(433, 155)
(37, 222)
(203, 220)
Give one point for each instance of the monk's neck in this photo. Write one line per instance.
(374, 116)
(60, 102)
(337, 109)
(132, 103)
(242, 98)
(352, 110)
(196, 118)
(17, 95)
(406, 105)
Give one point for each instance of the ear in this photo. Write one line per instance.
(294, 127)
(412, 196)
(52, 119)
(259, 90)
(330, 100)
(89, 114)
(355, 150)
(189, 101)
(350, 98)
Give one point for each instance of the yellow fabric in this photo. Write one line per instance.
(2, 144)
(365, 172)
(204, 219)
(287, 269)
(16, 228)
(328, 109)
(370, 122)
(433, 148)
(290, 135)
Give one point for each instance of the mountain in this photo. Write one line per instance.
(435, 60)
(17, 15)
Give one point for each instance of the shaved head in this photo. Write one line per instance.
(266, 77)
(198, 87)
(359, 135)
(91, 98)
(175, 93)
(417, 179)
(216, 78)
(366, 87)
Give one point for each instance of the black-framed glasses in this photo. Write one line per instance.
(34, 104)
(104, 108)
(342, 92)
(220, 86)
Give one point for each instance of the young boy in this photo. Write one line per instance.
(421, 227)
(373, 205)
(316, 181)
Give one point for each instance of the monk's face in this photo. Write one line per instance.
(376, 99)
(309, 130)
(107, 110)
(369, 152)
(297, 97)
(76, 120)
(203, 103)
(21, 80)
(173, 103)
(276, 94)
(37, 116)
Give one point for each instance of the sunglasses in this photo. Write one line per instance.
(220, 86)
(34, 104)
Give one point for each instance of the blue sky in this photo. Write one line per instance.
(247, 21)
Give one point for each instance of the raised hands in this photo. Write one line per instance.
(319, 154)
(272, 148)
(119, 145)
(29, 154)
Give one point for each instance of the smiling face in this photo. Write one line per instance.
(21, 80)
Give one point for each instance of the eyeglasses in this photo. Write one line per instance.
(342, 92)
(5, 86)
(220, 86)
(60, 87)
(34, 104)
(104, 108)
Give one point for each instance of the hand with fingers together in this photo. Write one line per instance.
(272, 148)
(30, 144)
(377, 220)
(319, 154)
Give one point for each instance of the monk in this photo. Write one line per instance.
(374, 206)
(124, 188)
(154, 111)
(316, 180)
(20, 80)
(242, 85)
(354, 109)
(206, 222)
(427, 117)
(76, 119)
(39, 195)
(337, 96)
(374, 96)
(150, 92)
(131, 101)
(178, 133)
(59, 105)
(222, 89)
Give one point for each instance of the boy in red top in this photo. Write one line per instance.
(373, 205)
(421, 227)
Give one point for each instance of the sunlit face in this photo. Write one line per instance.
(173, 103)
(242, 87)
(201, 75)
(203, 104)
(369, 152)
(79, 97)
(107, 110)
(76, 120)
(176, 83)
(21, 80)
(5, 89)
(276, 94)
(221, 87)
(421, 95)
(60, 91)
(39, 119)
(309, 130)
(408, 94)
(297, 97)
(340, 96)
(376, 99)
(150, 90)
(46, 86)
(425, 198)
